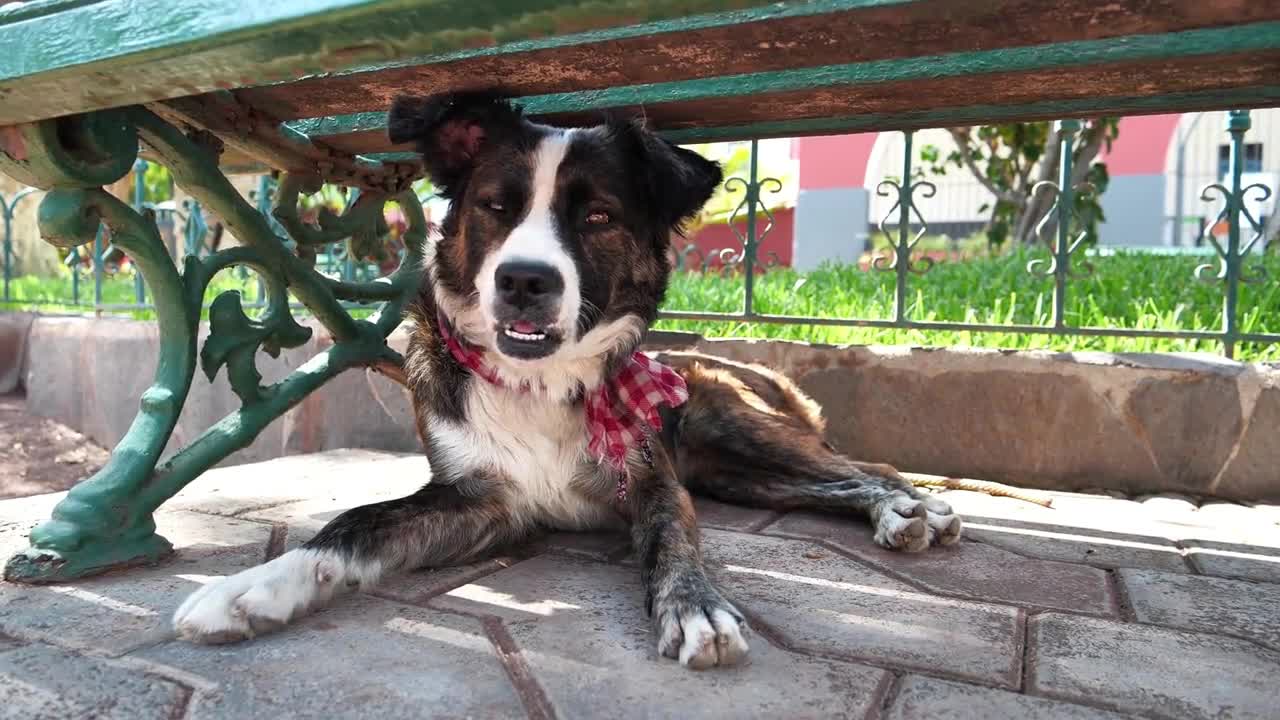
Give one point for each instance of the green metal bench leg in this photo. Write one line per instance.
(107, 521)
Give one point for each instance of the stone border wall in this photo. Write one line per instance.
(1066, 421)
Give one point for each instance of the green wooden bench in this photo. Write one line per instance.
(211, 87)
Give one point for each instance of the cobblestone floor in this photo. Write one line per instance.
(1101, 607)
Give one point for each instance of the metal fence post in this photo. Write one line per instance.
(749, 245)
(97, 267)
(139, 199)
(902, 248)
(1238, 124)
(1067, 130)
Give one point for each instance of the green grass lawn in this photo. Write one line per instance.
(1125, 291)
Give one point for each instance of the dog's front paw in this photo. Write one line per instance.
(258, 600)
(904, 523)
(697, 626)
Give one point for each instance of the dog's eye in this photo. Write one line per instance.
(598, 217)
(495, 206)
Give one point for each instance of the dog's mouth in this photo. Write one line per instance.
(527, 340)
(525, 331)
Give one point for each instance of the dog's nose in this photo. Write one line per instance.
(521, 284)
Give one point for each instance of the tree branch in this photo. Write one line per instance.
(961, 136)
(1094, 135)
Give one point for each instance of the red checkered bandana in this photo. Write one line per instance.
(621, 412)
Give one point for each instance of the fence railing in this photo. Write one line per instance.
(904, 227)
(1065, 257)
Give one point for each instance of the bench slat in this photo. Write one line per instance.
(62, 57)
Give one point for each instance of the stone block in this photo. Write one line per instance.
(117, 612)
(89, 374)
(13, 349)
(363, 657)
(821, 602)
(1038, 419)
(39, 682)
(602, 546)
(1250, 474)
(1190, 423)
(1258, 560)
(1246, 610)
(722, 516)
(1098, 531)
(1150, 670)
(967, 569)
(582, 629)
(305, 491)
(922, 698)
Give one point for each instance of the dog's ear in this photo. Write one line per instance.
(679, 181)
(451, 129)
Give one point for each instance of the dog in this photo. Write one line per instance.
(535, 408)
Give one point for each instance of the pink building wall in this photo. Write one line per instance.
(833, 161)
(840, 161)
(1142, 145)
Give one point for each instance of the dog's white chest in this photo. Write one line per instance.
(538, 446)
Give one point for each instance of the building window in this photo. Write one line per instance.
(1252, 159)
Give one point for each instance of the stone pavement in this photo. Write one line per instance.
(1101, 607)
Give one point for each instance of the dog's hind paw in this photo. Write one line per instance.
(697, 626)
(904, 523)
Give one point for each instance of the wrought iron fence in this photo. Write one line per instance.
(1065, 255)
(1230, 267)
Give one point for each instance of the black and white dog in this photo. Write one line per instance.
(534, 407)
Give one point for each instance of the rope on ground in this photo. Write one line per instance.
(982, 486)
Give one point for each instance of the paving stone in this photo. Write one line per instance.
(1205, 604)
(39, 682)
(363, 657)
(582, 629)
(822, 602)
(119, 611)
(419, 586)
(1066, 544)
(712, 514)
(601, 546)
(318, 483)
(970, 569)
(921, 698)
(1148, 669)
(1247, 554)
(1102, 532)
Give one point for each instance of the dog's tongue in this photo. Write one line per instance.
(525, 327)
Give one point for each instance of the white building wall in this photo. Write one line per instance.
(958, 198)
(1203, 138)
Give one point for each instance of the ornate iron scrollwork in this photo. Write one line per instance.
(106, 521)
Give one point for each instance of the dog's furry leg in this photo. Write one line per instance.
(692, 620)
(750, 436)
(438, 525)
(774, 475)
